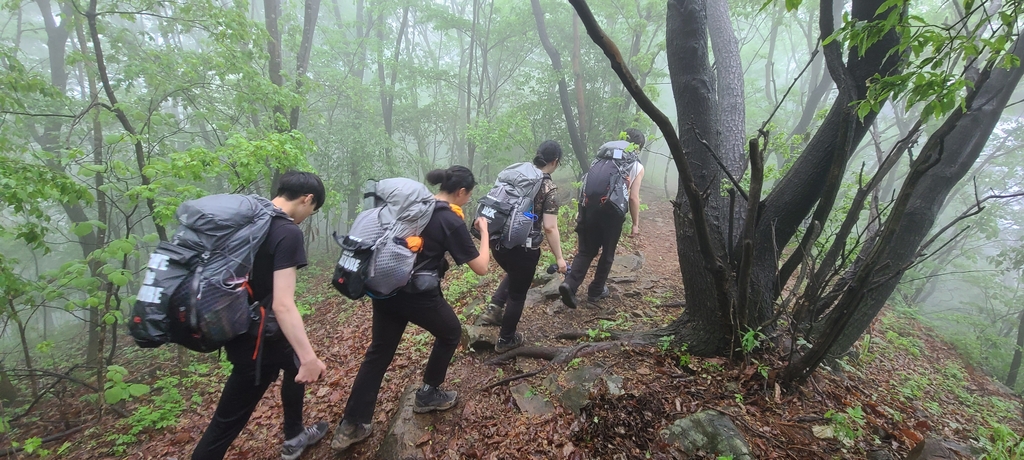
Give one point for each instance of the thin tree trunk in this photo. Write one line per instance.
(563, 92)
(140, 156)
(578, 82)
(731, 99)
(1011, 377)
(309, 18)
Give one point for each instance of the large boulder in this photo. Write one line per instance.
(626, 268)
(708, 431)
(479, 338)
(530, 401)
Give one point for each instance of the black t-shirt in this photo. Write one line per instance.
(445, 231)
(283, 248)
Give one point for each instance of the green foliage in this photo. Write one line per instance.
(750, 340)
(1000, 442)
(848, 426)
(163, 411)
(117, 390)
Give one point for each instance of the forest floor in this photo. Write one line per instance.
(905, 385)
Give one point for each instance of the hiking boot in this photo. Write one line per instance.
(568, 297)
(348, 433)
(504, 345)
(603, 295)
(293, 447)
(431, 398)
(491, 316)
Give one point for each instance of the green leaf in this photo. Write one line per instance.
(113, 395)
(81, 229)
(137, 389)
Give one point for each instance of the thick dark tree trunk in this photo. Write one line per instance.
(563, 89)
(729, 73)
(944, 160)
(793, 197)
(702, 325)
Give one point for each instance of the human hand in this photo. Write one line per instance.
(562, 268)
(481, 226)
(635, 232)
(310, 371)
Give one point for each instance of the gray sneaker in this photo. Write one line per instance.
(504, 345)
(348, 433)
(492, 315)
(605, 293)
(431, 398)
(293, 447)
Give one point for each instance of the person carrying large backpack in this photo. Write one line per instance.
(282, 252)
(445, 232)
(611, 188)
(520, 262)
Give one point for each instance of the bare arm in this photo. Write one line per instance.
(479, 265)
(288, 317)
(550, 223)
(634, 201)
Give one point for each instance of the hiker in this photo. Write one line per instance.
(299, 195)
(610, 189)
(445, 232)
(520, 262)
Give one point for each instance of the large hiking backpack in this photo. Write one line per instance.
(376, 258)
(607, 181)
(195, 292)
(508, 207)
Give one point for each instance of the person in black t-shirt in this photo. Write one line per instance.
(299, 195)
(445, 232)
(520, 263)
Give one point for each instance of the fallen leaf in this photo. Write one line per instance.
(923, 425)
(911, 435)
(423, 439)
(823, 432)
(568, 450)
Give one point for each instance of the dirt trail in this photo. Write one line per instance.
(657, 387)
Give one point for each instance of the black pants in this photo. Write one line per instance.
(390, 316)
(241, 394)
(599, 229)
(520, 264)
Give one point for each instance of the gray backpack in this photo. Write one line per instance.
(195, 292)
(508, 207)
(375, 258)
(607, 181)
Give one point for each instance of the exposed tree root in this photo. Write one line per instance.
(555, 356)
(14, 450)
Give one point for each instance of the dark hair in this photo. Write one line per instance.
(296, 184)
(634, 136)
(452, 179)
(547, 152)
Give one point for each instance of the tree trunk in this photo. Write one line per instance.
(1011, 377)
(140, 156)
(703, 324)
(793, 197)
(578, 82)
(563, 89)
(729, 73)
(309, 18)
(944, 160)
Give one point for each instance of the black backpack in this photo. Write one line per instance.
(508, 207)
(195, 292)
(607, 181)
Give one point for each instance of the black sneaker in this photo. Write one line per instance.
(504, 345)
(431, 398)
(293, 447)
(568, 297)
(603, 295)
(492, 315)
(348, 433)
